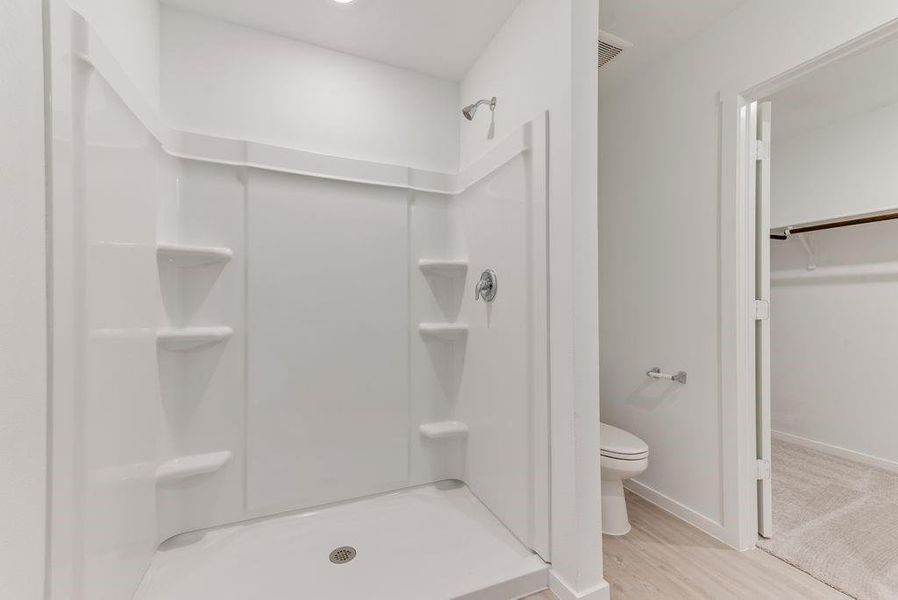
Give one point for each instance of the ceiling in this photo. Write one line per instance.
(442, 38)
(853, 85)
(655, 28)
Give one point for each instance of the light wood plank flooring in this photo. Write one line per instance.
(663, 557)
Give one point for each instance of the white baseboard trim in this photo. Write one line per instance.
(867, 459)
(563, 591)
(682, 512)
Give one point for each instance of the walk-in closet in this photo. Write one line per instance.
(829, 153)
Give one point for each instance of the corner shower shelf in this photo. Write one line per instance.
(443, 430)
(447, 331)
(183, 255)
(191, 338)
(186, 467)
(445, 268)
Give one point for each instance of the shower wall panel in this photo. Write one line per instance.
(436, 364)
(328, 365)
(503, 395)
(318, 388)
(126, 407)
(202, 391)
(106, 398)
(130, 28)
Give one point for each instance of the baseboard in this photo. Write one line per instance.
(563, 591)
(867, 459)
(682, 512)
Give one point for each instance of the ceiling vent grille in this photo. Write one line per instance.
(607, 52)
(610, 46)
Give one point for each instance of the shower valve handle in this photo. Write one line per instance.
(487, 286)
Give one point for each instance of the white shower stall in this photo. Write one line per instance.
(268, 356)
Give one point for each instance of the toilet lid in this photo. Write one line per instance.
(617, 443)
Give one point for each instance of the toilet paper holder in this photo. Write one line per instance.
(656, 373)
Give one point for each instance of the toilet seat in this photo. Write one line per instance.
(624, 456)
(621, 445)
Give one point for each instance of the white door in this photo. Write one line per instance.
(759, 123)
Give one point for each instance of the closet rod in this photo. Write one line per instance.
(832, 225)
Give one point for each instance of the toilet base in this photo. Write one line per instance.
(614, 508)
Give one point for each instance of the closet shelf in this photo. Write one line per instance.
(183, 255)
(445, 268)
(447, 331)
(193, 465)
(784, 233)
(443, 429)
(191, 338)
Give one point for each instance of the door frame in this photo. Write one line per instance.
(737, 276)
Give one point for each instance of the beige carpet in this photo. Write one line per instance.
(837, 520)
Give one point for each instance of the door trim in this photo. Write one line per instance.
(737, 273)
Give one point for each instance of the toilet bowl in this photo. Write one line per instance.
(623, 456)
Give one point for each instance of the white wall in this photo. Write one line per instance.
(23, 323)
(244, 84)
(659, 236)
(833, 338)
(543, 58)
(130, 28)
(527, 77)
(845, 168)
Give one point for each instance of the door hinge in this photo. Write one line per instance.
(760, 150)
(762, 310)
(763, 469)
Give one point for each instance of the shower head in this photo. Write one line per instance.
(470, 110)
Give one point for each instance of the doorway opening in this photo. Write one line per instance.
(818, 246)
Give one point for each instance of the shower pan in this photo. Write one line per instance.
(270, 369)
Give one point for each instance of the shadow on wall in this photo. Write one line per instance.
(652, 394)
(445, 292)
(448, 360)
(183, 381)
(184, 291)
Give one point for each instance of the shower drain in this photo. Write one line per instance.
(343, 554)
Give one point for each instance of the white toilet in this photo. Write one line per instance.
(623, 456)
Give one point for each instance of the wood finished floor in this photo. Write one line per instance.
(663, 557)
